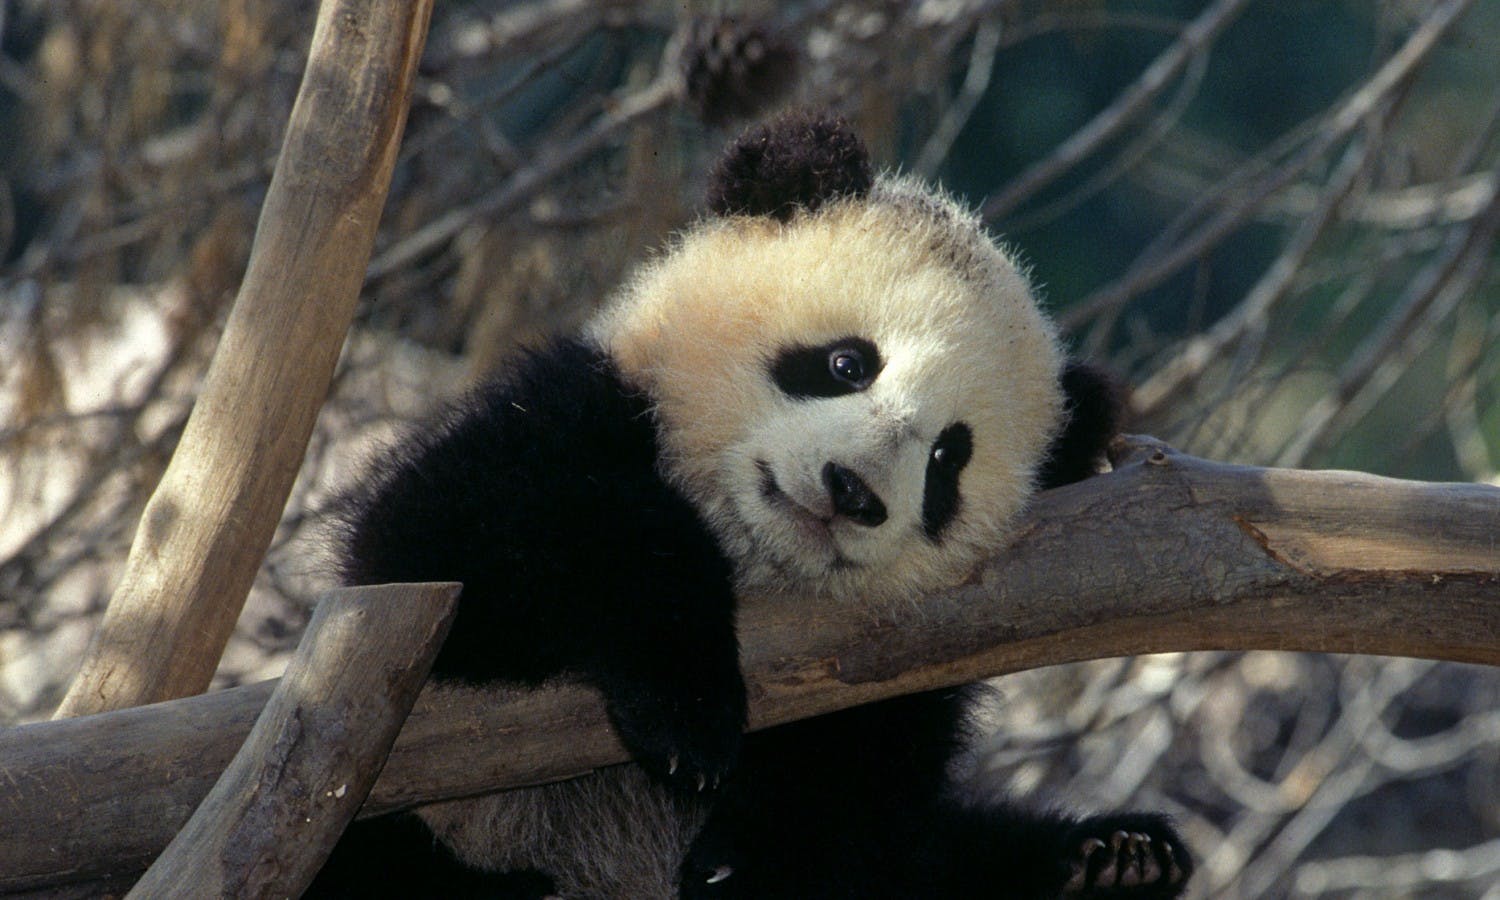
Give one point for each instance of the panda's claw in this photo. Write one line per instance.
(1151, 868)
(719, 874)
(1175, 874)
(1080, 866)
(689, 743)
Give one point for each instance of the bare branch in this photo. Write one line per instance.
(1167, 553)
(1151, 271)
(1430, 297)
(1169, 380)
(1130, 105)
(271, 820)
(976, 82)
(548, 164)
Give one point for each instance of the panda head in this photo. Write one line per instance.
(852, 382)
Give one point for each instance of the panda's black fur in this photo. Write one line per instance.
(542, 492)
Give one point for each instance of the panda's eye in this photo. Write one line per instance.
(844, 366)
(940, 495)
(847, 364)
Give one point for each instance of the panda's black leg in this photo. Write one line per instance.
(1130, 855)
(396, 856)
(729, 856)
(838, 806)
(1008, 852)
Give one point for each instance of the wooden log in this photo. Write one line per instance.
(1166, 553)
(276, 812)
(207, 525)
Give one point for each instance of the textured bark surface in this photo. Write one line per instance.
(301, 775)
(1167, 553)
(207, 525)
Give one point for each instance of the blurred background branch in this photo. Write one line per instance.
(1277, 219)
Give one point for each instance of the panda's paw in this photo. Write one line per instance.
(1125, 856)
(688, 745)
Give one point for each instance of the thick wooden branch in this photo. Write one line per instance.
(1166, 553)
(272, 818)
(206, 527)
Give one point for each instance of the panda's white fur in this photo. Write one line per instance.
(962, 338)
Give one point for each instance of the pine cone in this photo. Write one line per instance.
(734, 69)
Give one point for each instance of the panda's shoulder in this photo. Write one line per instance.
(560, 406)
(554, 435)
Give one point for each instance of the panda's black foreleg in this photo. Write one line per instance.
(671, 681)
(1126, 855)
(686, 733)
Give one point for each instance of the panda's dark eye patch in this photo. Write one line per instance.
(845, 366)
(940, 497)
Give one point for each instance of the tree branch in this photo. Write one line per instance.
(1167, 553)
(271, 820)
(1151, 269)
(207, 525)
(1133, 102)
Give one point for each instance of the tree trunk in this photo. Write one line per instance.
(207, 525)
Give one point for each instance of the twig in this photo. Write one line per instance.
(1128, 157)
(1373, 366)
(1130, 105)
(1379, 876)
(1150, 271)
(1171, 378)
(956, 116)
(521, 186)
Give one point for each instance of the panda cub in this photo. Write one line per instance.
(837, 384)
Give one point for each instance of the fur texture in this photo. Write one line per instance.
(796, 163)
(840, 385)
(960, 338)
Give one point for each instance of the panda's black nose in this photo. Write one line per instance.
(852, 498)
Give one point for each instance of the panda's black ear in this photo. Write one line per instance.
(1095, 403)
(796, 161)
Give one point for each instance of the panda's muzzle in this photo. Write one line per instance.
(851, 497)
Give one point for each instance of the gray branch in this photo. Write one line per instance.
(1168, 553)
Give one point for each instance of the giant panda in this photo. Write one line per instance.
(834, 384)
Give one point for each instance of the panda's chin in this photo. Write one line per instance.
(779, 545)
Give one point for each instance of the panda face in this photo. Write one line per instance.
(856, 400)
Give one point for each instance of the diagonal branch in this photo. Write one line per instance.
(206, 527)
(271, 820)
